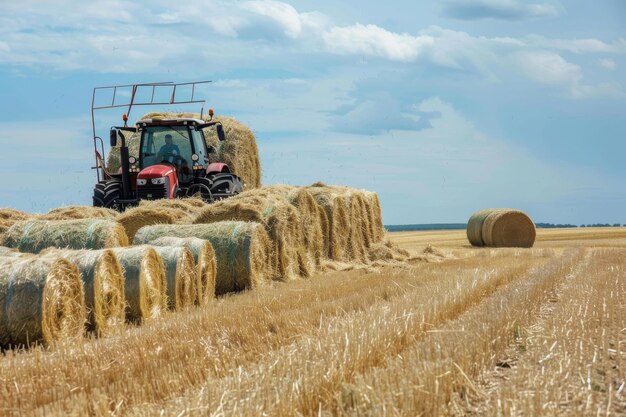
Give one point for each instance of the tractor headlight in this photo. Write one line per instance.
(141, 181)
(158, 181)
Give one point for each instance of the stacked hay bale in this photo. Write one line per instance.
(8, 217)
(353, 221)
(182, 209)
(280, 219)
(242, 250)
(181, 278)
(204, 257)
(36, 235)
(41, 300)
(501, 228)
(144, 282)
(103, 282)
(313, 225)
(239, 151)
(135, 218)
(79, 212)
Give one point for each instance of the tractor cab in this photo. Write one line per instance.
(171, 161)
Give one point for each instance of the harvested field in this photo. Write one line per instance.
(36, 235)
(490, 331)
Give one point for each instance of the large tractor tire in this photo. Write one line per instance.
(226, 185)
(107, 193)
(202, 187)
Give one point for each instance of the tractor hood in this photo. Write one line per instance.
(156, 171)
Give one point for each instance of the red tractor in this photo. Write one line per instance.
(172, 158)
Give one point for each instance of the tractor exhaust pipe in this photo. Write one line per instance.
(124, 155)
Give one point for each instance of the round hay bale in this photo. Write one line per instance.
(239, 151)
(242, 250)
(103, 282)
(138, 217)
(508, 228)
(280, 219)
(204, 257)
(182, 209)
(375, 216)
(313, 223)
(36, 235)
(180, 270)
(13, 215)
(144, 282)
(79, 212)
(41, 300)
(337, 207)
(475, 227)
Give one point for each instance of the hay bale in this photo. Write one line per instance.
(13, 215)
(79, 212)
(280, 219)
(144, 282)
(475, 227)
(103, 282)
(242, 250)
(375, 216)
(138, 217)
(182, 209)
(41, 300)
(508, 228)
(204, 257)
(181, 278)
(239, 151)
(36, 235)
(313, 223)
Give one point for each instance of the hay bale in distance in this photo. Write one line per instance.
(183, 210)
(181, 278)
(508, 228)
(135, 218)
(41, 300)
(144, 282)
(241, 250)
(204, 257)
(475, 227)
(36, 235)
(13, 215)
(103, 282)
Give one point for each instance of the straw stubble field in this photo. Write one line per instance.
(477, 331)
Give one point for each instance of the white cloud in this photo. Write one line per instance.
(372, 40)
(607, 64)
(551, 69)
(281, 13)
(498, 9)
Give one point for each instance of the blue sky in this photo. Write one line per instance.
(442, 107)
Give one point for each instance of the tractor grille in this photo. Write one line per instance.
(152, 192)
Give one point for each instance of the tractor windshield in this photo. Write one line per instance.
(166, 144)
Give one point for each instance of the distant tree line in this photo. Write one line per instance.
(555, 226)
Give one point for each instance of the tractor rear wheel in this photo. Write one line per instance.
(202, 186)
(226, 185)
(98, 194)
(107, 193)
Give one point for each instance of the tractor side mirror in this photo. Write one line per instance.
(220, 133)
(113, 137)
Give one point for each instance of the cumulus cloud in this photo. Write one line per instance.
(498, 9)
(552, 69)
(372, 40)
